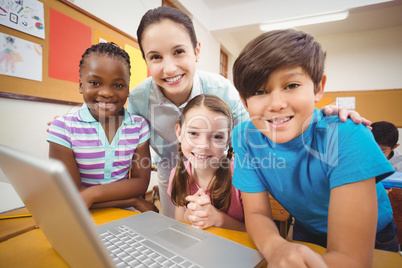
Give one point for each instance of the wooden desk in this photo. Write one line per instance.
(31, 249)
(13, 227)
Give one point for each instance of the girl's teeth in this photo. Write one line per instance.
(173, 79)
(201, 156)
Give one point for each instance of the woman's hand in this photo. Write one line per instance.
(344, 114)
(50, 122)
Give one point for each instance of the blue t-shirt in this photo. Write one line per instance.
(300, 173)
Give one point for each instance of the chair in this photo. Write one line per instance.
(395, 196)
(280, 214)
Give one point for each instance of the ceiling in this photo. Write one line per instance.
(238, 20)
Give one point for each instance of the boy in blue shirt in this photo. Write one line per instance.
(323, 172)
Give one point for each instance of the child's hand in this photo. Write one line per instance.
(288, 254)
(202, 214)
(143, 205)
(344, 114)
(86, 196)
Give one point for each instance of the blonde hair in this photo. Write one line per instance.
(220, 187)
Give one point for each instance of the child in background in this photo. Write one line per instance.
(201, 187)
(386, 135)
(323, 172)
(101, 142)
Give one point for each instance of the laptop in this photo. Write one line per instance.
(144, 240)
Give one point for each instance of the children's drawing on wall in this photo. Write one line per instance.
(20, 58)
(9, 55)
(23, 15)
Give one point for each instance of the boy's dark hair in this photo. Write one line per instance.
(274, 50)
(109, 49)
(159, 14)
(385, 133)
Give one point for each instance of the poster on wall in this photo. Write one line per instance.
(23, 15)
(20, 58)
(68, 40)
(139, 70)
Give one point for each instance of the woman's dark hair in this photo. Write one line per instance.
(159, 14)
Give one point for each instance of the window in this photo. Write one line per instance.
(223, 68)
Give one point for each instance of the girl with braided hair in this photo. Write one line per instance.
(103, 146)
(200, 185)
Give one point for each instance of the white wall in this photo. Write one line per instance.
(24, 124)
(120, 20)
(369, 60)
(210, 49)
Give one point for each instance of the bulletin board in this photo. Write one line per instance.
(375, 105)
(69, 30)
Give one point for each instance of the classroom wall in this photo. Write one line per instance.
(118, 17)
(369, 60)
(24, 124)
(376, 65)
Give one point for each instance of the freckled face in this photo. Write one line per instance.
(171, 58)
(104, 84)
(282, 109)
(204, 137)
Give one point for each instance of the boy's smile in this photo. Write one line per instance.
(282, 109)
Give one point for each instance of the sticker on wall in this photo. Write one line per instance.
(346, 102)
(26, 16)
(20, 58)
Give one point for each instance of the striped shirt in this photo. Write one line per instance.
(98, 161)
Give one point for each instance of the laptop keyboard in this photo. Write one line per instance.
(129, 249)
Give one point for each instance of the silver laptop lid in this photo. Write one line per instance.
(51, 197)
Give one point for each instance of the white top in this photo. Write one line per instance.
(396, 161)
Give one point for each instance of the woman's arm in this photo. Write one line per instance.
(133, 187)
(277, 251)
(352, 221)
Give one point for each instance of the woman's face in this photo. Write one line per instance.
(171, 59)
